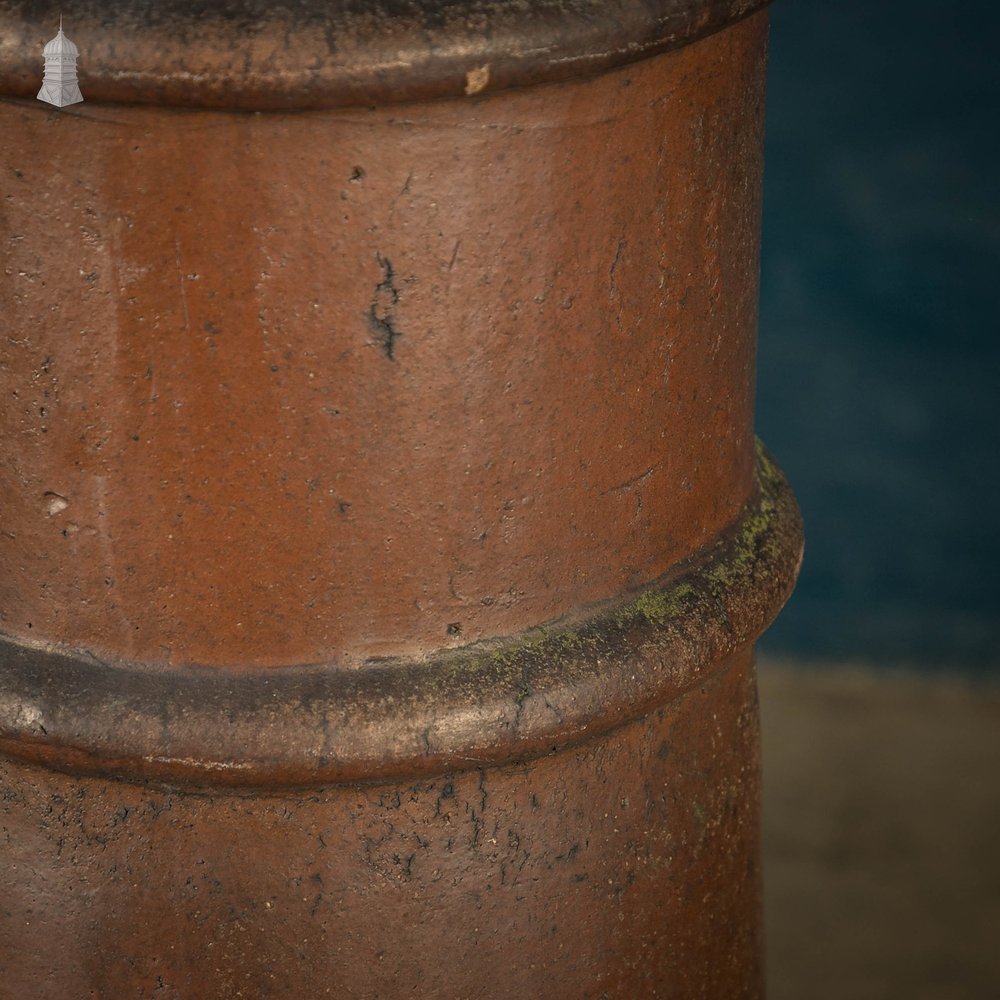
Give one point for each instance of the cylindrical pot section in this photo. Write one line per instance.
(385, 538)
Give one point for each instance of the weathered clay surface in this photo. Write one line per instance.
(625, 868)
(384, 534)
(324, 387)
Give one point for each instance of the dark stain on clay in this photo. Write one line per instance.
(381, 312)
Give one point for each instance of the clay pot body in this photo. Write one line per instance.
(385, 539)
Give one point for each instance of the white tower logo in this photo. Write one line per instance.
(59, 86)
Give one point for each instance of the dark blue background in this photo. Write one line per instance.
(879, 366)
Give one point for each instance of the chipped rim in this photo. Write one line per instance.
(485, 704)
(254, 55)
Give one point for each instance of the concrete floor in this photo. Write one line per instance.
(881, 834)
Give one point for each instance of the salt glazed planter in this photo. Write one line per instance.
(384, 537)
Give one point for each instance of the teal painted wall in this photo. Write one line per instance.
(879, 366)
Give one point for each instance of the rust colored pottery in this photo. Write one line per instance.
(384, 538)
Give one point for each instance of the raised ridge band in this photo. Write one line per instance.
(484, 704)
(257, 55)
